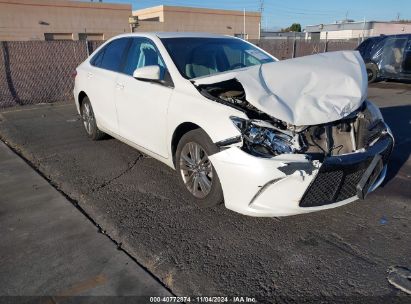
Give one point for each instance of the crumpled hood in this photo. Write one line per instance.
(307, 90)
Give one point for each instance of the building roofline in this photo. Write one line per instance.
(202, 10)
(358, 22)
(70, 4)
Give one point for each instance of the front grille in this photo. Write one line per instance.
(333, 183)
(337, 180)
(375, 132)
(387, 152)
(349, 185)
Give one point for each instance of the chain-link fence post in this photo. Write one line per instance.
(294, 45)
(12, 92)
(87, 48)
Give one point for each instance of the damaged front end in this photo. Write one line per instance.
(266, 136)
(306, 166)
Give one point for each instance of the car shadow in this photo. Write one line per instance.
(399, 120)
(405, 81)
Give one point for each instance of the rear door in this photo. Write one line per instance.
(101, 80)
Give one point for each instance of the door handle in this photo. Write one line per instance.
(120, 86)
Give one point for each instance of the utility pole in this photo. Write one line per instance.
(244, 24)
(363, 28)
(261, 9)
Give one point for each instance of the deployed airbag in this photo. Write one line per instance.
(308, 90)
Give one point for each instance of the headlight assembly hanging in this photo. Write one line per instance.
(261, 138)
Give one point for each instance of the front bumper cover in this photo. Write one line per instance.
(292, 184)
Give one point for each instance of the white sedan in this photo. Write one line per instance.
(266, 137)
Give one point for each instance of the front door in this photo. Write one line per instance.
(392, 57)
(406, 63)
(142, 105)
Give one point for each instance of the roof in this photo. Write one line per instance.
(358, 25)
(176, 35)
(189, 34)
(70, 4)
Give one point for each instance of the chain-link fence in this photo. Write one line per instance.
(41, 71)
(291, 48)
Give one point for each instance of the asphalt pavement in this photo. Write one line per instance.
(50, 250)
(342, 254)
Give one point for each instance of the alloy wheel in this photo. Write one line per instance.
(88, 117)
(196, 170)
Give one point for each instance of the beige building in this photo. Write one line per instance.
(356, 30)
(188, 19)
(62, 20)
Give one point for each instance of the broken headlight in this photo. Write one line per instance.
(263, 139)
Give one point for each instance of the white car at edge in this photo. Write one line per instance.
(267, 137)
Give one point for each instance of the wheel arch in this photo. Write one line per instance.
(178, 133)
(80, 99)
(370, 65)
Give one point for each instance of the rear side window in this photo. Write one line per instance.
(110, 58)
(98, 58)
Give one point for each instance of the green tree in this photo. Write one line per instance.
(295, 27)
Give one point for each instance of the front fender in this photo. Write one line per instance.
(211, 116)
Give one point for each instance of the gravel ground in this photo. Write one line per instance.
(339, 254)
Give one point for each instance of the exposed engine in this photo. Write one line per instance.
(266, 136)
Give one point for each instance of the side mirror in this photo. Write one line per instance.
(147, 73)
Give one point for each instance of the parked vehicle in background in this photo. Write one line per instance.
(269, 137)
(387, 57)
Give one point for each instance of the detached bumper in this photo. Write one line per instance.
(291, 184)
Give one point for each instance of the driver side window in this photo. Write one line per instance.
(142, 53)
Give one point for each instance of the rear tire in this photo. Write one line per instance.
(196, 173)
(89, 120)
(372, 72)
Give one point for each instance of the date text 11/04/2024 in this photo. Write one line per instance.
(203, 299)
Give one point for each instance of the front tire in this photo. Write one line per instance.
(372, 72)
(89, 120)
(196, 173)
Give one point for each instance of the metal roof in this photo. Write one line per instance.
(340, 26)
(358, 25)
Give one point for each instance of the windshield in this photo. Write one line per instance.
(196, 57)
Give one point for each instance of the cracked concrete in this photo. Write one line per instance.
(128, 169)
(340, 254)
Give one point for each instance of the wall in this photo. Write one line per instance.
(150, 26)
(391, 28)
(150, 12)
(30, 19)
(345, 34)
(187, 19)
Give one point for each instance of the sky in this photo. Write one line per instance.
(279, 14)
